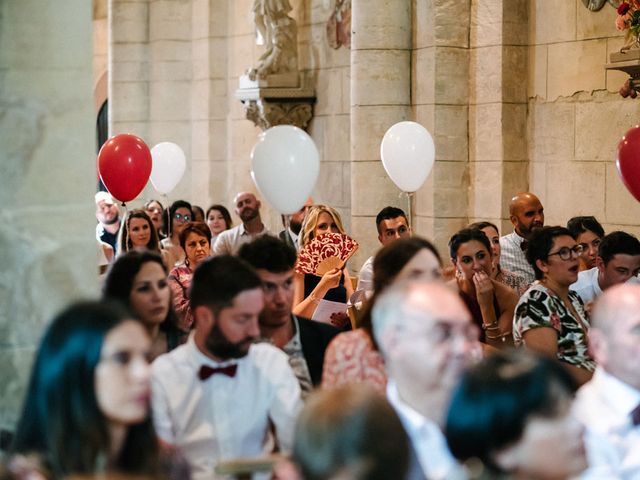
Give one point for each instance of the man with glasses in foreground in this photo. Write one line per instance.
(618, 261)
(550, 318)
(248, 209)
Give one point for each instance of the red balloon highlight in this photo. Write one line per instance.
(124, 165)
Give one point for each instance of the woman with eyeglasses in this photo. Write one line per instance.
(195, 240)
(588, 232)
(180, 215)
(550, 318)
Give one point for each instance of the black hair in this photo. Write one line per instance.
(541, 243)
(119, 283)
(389, 213)
(618, 242)
(495, 399)
(579, 225)
(199, 228)
(269, 253)
(482, 225)
(467, 235)
(168, 217)
(223, 210)
(61, 419)
(218, 280)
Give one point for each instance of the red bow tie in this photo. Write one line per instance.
(206, 371)
(524, 245)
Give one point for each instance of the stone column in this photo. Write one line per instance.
(380, 97)
(47, 178)
(498, 156)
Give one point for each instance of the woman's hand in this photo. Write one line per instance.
(330, 280)
(484, 288)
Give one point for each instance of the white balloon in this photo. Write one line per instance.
(169, 163)
(284, 166)
(408, 153)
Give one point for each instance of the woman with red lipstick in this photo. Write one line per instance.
(550, 318)
(86, 410)
(195, 240)
(139, 281)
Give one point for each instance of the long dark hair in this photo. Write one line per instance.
(119, 283)
(125, 243)
(61, 419)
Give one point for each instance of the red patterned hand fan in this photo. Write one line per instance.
(325, 252)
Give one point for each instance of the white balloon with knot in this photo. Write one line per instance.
(284, 166)
(408, 153)
(168, 166)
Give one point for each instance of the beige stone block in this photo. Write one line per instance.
(486, 23)
(218, 57)
(371, 188)
(485, 189)
(170, 20)
(552, 131)
(451, 21)
(424, 204)
(201, 172)
(240, 17)
(363, 230)
(515, 26)
(486, 74)
(218, 183)
(514, 121)
(170, 71)
(599, 127)
(316, 130)
(208, 98)
(576, 66)
(615, 78)
(537, 81)
(538, 180)
(219, 17)
(169, 50)
(574, 188)
(129, 101)
(452, 73)
(633, 229)
(130, 71)
(328, 91)
(345, 74)
(515, 178)
(170, 100)
(129, 22)
(485, 132)
(551, 21)
(449, 196)
(425, 115)
(140, 128)
(381, 25)
(424, 28)
(619, 205)
(368, 126)
(130, 52)
(336, 140)
(443, 229)
(514, 73)
(201, 18)
(451, 132)
(595, 24)
(175, 131)
(244, 136)
(380, 77)
(331, 183)
(423, 73)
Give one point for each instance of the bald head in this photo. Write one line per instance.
(615, 333)
(526, 213)
(247, 206)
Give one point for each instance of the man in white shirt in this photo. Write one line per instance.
(392, 224)
(609, 404)
(216, 396)
(618, 261)
(526, 214)
(425, 334)
(108, 217)
(248, 209)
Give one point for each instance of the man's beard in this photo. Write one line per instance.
(295, 226)
(249, 214)
(219, 345)
(115, 219)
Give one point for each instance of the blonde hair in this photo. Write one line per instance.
(311, 221)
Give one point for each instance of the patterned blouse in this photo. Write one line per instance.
(351, 358)
(541, 307)
(179, 281)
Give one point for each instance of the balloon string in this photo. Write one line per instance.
(410, 196)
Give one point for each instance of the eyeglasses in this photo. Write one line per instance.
(566, 253)
(182, 218)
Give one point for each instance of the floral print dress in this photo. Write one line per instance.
(541, 307)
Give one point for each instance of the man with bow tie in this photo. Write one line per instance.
(526, 214)
(609, 404)
(216, 396)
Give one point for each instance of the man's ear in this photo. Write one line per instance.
(380, 238)
(598, 347)
(600, 264)
(259, 204)
(513, 219)
(203, 317)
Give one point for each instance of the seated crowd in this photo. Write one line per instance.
(208, 356)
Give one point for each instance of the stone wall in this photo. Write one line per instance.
(47, 178)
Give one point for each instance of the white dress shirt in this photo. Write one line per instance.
(513, 258)
(604, 406)
(230, 241)
(427, 439)
(587, 285)
(224, 417)
(365, 276)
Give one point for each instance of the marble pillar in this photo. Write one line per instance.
(47, 178)
(380, 97)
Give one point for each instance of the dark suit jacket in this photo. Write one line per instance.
(286, 238)
(314, 337)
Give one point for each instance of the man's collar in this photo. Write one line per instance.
(621, 396)
(415, 419)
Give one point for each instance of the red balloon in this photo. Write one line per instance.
(124, 165)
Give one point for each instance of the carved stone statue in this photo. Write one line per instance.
(280, 33)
